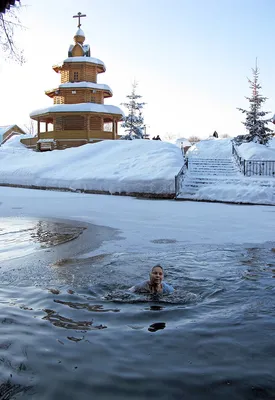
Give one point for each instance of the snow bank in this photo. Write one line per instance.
(253, 194)
(255, 151)
(222, 148)
(244, 189)
(14, 142)
(141, 166)
(215, 148)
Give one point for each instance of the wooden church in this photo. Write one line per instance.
(78, 115)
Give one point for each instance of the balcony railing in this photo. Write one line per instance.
(74, 134)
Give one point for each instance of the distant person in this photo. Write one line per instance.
(215, 134)
(154, 138)
(158, 138)
(155, 284)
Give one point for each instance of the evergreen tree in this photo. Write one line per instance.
(258, 132)
(133, 122)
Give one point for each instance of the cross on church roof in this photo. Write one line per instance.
(79, 15)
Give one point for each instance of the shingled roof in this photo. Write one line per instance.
(5, 5)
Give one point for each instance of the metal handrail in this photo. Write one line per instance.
(180, 176)
(254, 167)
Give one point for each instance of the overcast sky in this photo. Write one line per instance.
(190, 57)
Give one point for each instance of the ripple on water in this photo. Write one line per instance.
(212, 339)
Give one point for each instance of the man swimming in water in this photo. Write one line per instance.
(155, 285)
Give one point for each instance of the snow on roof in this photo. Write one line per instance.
(86, 47)
(45, 140)
(80, 32)
(14, 142)
(3, 130)
(91, 85)
(80, 107)
(85, 59)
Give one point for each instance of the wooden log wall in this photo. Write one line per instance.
(58, 124)
(86, 72)
(73, 122)
(63, 144)
(64, 76)
(58, 100)
(75, 96)
(90, 72)
(79, 122)
(96, 123)
(91, 97)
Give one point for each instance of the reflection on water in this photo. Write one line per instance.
(87, 306)
(48, 233)
(89, 337)
(68, 323)
(21, 236)
(8, 390)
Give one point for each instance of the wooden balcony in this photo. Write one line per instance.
(29, 142)
(74, 135)
(64, 139)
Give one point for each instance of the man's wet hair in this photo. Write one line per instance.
(156, 266)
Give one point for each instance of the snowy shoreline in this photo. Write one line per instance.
(142, 169)
(147, 196)
(126, 167)
(161, 196)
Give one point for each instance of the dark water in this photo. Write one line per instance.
(78, 333)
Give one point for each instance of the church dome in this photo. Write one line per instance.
(79, 37)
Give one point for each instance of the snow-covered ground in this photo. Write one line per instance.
(211, 148)
(222, 148)
(254, 151)
(236, 188)
(145, 224)
(140, 166)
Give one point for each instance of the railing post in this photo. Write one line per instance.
(244, 167)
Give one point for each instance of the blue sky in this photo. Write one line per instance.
(190, 57)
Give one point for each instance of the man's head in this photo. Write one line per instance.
(156, 275)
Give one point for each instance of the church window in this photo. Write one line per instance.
(76, 78)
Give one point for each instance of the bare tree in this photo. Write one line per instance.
(9, 23)
(30, 128)
(194, 139)
(170, 137)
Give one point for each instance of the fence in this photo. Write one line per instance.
(254, 167)
(180, 176)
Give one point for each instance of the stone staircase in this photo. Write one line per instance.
(215, 172)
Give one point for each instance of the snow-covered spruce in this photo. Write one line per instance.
(133, 123)
(256, 126)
